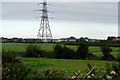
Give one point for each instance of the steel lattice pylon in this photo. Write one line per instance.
(44, 32)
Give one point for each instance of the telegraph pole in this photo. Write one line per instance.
(44, 33)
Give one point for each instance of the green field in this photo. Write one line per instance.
(20, 47)
(71, 66)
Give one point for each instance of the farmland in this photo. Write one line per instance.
(48, 47)
(20, 47)
(70, 65)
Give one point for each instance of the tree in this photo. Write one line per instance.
(33, 50)
(63, 52)
(106, 50)
(71, 37)
(58, 51)
(86, 38)
(82, 51)
(111, 37)
(67, 53)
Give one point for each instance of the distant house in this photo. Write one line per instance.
(30, 40)
(116, 39)
(15, 39)
(63, 40)
(56, 40)
(93, 40)
(2, 39)
(72, 40)
(21, 40)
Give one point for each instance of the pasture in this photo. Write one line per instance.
(20, 47)
(69, 65)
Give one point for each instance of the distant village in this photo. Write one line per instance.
(70, 39)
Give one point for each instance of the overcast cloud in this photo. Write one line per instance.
(99, 12)
(60, 0)
(91, 19)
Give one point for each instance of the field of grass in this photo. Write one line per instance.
(20, 47)
(71, 66)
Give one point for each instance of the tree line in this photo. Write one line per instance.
(63, 52)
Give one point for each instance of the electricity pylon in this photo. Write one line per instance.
(44, 33)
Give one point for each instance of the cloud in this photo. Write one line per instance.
(60, 0)
(99, 12)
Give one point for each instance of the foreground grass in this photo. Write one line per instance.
(71, 66)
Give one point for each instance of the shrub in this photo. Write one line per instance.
(58, 51)
(68, 53)
(105, 48)
(82, 51)
(112, 71)
(97, 73)
(8, 57)
(63, 75)
(116, 69)
(14, 71)
(13, 67)
(54, 74)
(63, 52)
(48, 54)
(33, 50)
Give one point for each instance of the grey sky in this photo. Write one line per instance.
(66, 13)
(100, 12)
(60, 0)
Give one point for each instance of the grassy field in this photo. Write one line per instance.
(71, 66)
(41, 64)
(20, 47)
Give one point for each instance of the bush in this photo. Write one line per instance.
(58, 51)
(48, 54)
(63, 52)
(63, 75)
(112, 71)
(33, 50)
(105, 48)
(68, 53)
(82, 51)
(8, 57)
(54, 74)
(14, 71)
(13, 67)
